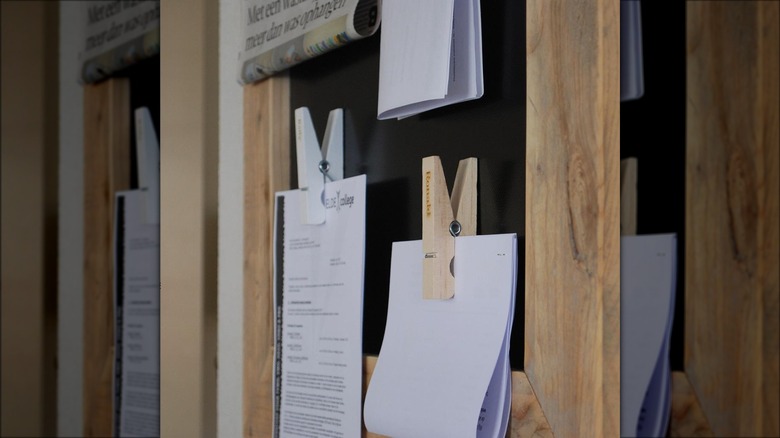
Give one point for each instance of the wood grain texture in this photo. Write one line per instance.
(266, 171)
(769, 233)
(464, 196)
(106, 171)
(528, 420)
(437, 243)
(687, 419)
(731, 264)
(628, 196)
(572, 326)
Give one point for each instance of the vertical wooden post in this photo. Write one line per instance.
(731, 272)
(106, 171)
(266, 171)
(572, 346)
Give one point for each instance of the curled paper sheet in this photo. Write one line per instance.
(647, 286)
(117, 34)
(281, 33)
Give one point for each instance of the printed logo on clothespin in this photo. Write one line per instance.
(148, 159)
(314, 166)
(443, 220)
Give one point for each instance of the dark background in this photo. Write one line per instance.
(390, 152)
(144, 78)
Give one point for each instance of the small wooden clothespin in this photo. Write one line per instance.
(443, 220)
(315, 165)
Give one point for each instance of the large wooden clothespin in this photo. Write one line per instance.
(315, 165)
(444, 219)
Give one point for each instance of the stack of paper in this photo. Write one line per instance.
(647, 283)
(443, 369)
(431, 55)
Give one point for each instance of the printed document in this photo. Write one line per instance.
(318, 299)
(443, 370)
(137, 318)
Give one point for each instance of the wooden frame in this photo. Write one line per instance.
(572, 271)
(106, 171)
(572, 171)
(731, 232)
(266, 171)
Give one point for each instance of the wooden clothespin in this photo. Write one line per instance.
(444, 219)
(315, 165)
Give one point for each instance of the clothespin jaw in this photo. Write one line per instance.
(314, 166)
(444, 219)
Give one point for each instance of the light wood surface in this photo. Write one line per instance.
(266, 171)
(731, 282)
(628, 196)
(106, 171)
(528, 420)
(572, 325)
(687, 418)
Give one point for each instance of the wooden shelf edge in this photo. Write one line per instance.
(687, 419)
(106, 171)
(266, 171)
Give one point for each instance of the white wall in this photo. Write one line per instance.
(231, 226)
(71, 229)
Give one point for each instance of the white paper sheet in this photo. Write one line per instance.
(431, 55)
(319, 314)
(443, 370)
(647, 285)
(137, 314)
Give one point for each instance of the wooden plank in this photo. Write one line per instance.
(572, 346)
(106, 171)
(731, 214)
(628, 196)
(768, 121)
(266, 171)
(687, 419)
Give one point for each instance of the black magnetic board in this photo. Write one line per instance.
(390, 152)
